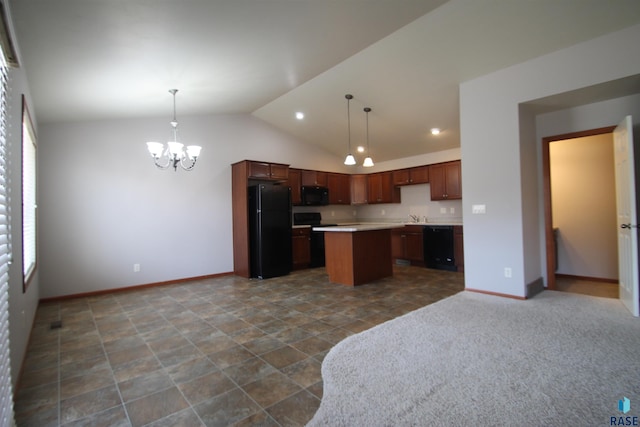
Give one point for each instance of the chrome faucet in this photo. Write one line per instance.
(415, 218)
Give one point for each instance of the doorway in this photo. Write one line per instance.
(555, 279)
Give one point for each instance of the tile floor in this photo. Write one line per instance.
(215, 352)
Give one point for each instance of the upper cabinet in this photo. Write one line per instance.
(295, 182)
(410, 176)
(268, 171)
(380, 188)
(339, 188)
(358, 189)
(314, 178)
(446, 181)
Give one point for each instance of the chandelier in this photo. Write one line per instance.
(175, 153)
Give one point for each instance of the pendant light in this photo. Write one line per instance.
(368, 161)
(349, 160)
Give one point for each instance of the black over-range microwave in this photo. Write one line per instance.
(313, 195)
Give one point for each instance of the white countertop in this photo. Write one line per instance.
(434, 223)
(351, 228)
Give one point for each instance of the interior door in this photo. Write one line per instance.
(626, 211)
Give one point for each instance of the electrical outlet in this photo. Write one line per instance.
(452, 210)
(507, 272)
(443, 210)
(383, 212)
(136, 268)
(333, 213)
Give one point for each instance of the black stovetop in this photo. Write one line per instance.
(308, 218)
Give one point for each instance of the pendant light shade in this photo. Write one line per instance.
(349, 160)
(368, 161)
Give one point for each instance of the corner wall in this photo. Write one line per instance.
(494, 150)
(591, 116)
(104, 206)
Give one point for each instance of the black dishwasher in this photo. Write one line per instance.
(438, 247)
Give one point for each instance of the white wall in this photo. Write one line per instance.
(583, 197)
(104, 206)
(498, 148)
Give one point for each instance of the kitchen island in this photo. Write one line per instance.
(359, 253)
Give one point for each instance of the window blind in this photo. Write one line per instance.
(6, 393)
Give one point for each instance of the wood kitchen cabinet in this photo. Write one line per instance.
(446, 181)
(295, 182)
(267, 171)
(241, 174)
(310, 177)
(407, 243)
(380, 188)
(358, 189)
(301, 247)
(411, 176)
(458, 247)
(339, 188)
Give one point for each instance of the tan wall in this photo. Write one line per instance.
(584, 206)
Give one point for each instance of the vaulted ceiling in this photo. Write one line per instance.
(98, 60)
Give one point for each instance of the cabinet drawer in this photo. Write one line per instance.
(304, 231)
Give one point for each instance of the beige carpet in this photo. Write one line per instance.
(479, 360)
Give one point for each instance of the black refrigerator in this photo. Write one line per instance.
(270, 230)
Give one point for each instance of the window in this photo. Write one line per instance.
(28, 196)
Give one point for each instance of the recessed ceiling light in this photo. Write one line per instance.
(435, 131)
(360, 149)
(299, 115)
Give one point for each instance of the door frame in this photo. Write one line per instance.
(546, 184)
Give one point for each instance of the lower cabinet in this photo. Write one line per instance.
(301, 247)
(407, 244)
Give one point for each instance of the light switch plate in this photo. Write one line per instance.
(479, 209)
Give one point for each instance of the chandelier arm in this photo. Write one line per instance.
(161, 166)
(166, 155)
(188, 167)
